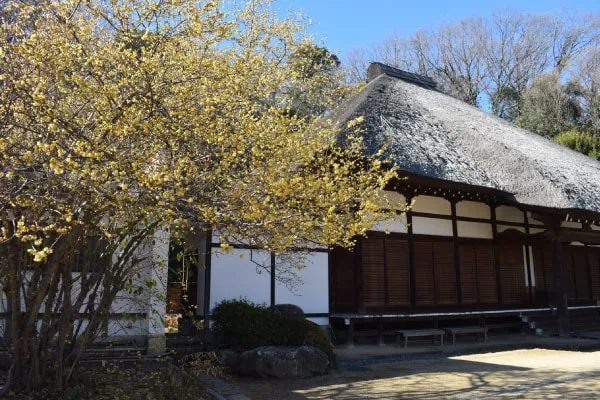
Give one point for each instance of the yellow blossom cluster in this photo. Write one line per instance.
(182, 112)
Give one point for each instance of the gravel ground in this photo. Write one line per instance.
(528, 374)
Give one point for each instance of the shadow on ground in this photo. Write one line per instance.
(456, 378)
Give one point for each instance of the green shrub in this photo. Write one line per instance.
(290, 310)
(243, 325)
(581, 141)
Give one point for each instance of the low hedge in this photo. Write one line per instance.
(243, 325)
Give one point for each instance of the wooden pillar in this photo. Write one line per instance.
(380, 331)
(358, 260)
(456, 252)
(496, 252)
(562, 304)
(207, 276)
(528, 261)
(411, 257)
(273, 271)
(351, 333)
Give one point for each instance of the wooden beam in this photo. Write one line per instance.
(587, 237)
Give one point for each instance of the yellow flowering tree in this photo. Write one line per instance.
(119, 117)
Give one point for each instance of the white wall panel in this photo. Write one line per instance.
(312, 292)
(391, 200)
(570, 224)
(533, 231)
(432, 226)
(473, 209)
(431, 204)
(396, 224)
(474, 230)
(509, 214)
(323, 321)
(235, 276)
(502, 228)
(533, 221)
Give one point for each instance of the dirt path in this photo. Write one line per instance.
(530, 374)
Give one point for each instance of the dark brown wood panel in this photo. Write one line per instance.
(373, 272)
(594, 262)
(445, 273)
(544, 279)
(486, 274)
(512, 273)
(569, 273)
(424, 274)
(468, 274)
(581, 272)
(397, 272)
(343, 285)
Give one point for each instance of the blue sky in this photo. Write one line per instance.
(345, 24)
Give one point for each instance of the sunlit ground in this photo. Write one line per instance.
(530, 374)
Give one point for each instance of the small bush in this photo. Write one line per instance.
(243, 325)
(203, 363)
(289, 310)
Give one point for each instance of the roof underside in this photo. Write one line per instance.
(435, 135)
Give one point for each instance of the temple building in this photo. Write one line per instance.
(504, 224)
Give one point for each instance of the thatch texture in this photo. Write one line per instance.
(435, 135)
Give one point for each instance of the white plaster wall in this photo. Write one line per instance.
(235, 276)
(432, 226)
(473, 209)
(391, 200)
(432, 204)
(533, 221)
(323, 321)
(474, 230)
(533, 231)
(509, 214)
(151, 303)
(127, 327)
(570, 224)
(502, 228)
(396, 224)
(312, 292)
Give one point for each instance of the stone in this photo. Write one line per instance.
(229, 358)
(283, 362)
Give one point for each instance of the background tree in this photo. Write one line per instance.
(539, 71)
(490, 61)
(319, 78)
(550, 107)
(120, 118)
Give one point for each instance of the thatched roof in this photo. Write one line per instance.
(435, 135)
